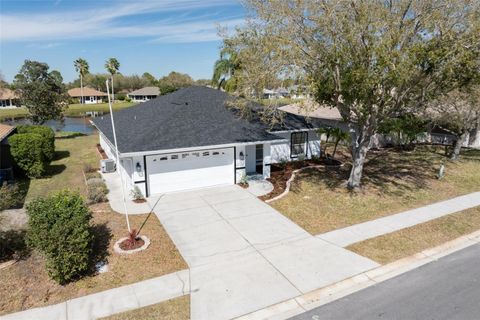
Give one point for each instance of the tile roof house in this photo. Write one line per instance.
(144, 94)
(8, 98)
(194, 138)
(90, 96)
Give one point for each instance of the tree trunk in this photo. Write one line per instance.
(81, 89)
(113, 92)
(457, 147)
(360, 146)
(335, 148)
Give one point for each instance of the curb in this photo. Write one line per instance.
(322, 296)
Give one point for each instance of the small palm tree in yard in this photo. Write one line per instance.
(112, 65)
(81, 66)
(327, 131)
(224, 70)
(338, 136)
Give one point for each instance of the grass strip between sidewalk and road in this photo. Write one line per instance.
(173, 309)
(406, 242)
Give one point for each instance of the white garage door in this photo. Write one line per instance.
(190, 170)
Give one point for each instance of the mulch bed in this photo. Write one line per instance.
(139, 200)
(102, 152)
(131, 245)
(280, 174)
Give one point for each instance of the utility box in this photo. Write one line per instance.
(107, 165)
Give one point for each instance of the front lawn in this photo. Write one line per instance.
(26, 284)
(393, 181)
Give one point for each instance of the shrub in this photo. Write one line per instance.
(96, 190)
(136, 194)
(92, 175)
(87, 167)
(47, 133)
(10, 196)
(59, 226)
(27, 150)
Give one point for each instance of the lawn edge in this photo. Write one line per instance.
(322, 296)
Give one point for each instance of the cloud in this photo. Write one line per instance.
(122, 20)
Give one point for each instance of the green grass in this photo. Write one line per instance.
(66, 170)
(72, 110)
(393, 181)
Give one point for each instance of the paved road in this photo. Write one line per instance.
(446, 289)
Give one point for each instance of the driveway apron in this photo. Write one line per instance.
(244, 255)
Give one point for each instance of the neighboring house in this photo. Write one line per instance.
(8, 98)
(275, 93)
(193, 138)
(144, 94)
(90, 96)
(6, 160)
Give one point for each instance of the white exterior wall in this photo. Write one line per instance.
(239, 163)
(281, 151)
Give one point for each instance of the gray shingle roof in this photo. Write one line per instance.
(190, 117)
(147, 91)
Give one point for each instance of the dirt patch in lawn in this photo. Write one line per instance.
(26, 284)
(406, 242)
(393, 181)
(174, 309)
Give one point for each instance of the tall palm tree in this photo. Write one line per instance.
(225, 67)
(81, 66)
(112, 65)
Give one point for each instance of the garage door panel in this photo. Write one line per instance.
(186, 171)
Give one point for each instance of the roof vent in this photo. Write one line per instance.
(186, 103)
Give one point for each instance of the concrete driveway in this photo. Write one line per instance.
(244, 255)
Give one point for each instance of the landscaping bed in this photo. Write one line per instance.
(26, 284)
(393, 181)
(406, 242)
(281, 173)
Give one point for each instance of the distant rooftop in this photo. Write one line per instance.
(77, 92)
(147, 91)
(6, 94)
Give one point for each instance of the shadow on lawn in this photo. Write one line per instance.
(101, 241)
(387, 171)
(62, 154)
(13, 245)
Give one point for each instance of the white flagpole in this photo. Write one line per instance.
(117, 156)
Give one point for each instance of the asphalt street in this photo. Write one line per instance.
(448, 288)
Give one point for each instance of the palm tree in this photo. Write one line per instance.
(112, 65)
(338, 135)
(81, 66)
(327, 131)
(224, 69)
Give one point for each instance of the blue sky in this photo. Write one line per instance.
(157, 36)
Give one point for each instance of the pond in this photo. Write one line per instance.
(71, 124)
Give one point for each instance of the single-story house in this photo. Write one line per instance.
(275, 93)
(90, 95)
(6, 160)
(8, 98)
(194, 138)
(144, 94)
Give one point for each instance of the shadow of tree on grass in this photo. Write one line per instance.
(101, 241)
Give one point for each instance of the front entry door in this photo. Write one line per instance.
(259, 158)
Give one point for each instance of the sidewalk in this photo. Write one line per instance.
(115, 197)
(105, 303)
(374, 228)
